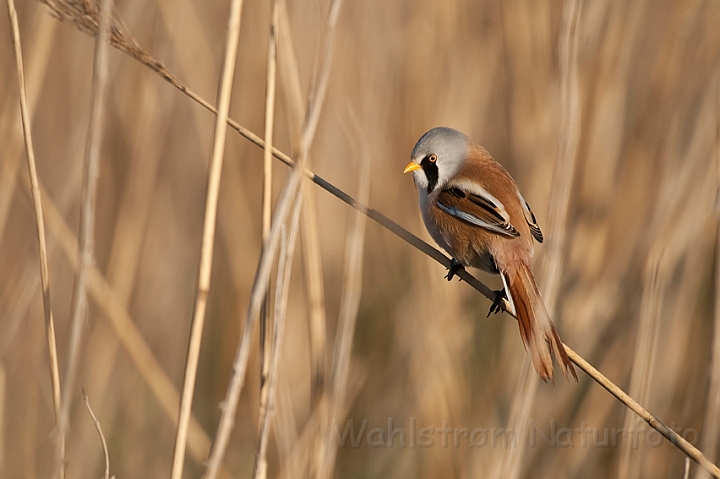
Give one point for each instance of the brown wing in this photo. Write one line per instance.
(476, 209)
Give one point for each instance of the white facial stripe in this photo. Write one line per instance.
(475, 189)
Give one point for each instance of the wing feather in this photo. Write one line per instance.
(478, 209)
(531, 221)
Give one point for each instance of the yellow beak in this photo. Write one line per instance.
(412, 166)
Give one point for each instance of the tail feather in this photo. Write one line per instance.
(536, 328)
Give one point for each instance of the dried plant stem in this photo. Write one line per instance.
(260, 285)
(86, 245)
(312, 261)
(208, 238)
(551, 273)
(100, 433)
(35, 69)
(269, 121)
(350, 303)
(675, 439)
(296, 465)
(257, 295)
(39, 218)
(267, 404)
(113, 308)
(267, 189)
(654, 287)
(674, 218)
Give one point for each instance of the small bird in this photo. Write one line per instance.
(473, 209)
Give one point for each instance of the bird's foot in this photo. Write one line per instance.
(455, 266)
(497, 305)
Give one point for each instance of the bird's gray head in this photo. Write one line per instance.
(438, 156)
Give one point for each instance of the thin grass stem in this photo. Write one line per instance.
(287, 198)
(349, 306)
(312, 261)
(38, 208)
(113, 308)
(267, 405)
(86, 243)
(98, 428)
(208, 238)
(265, 352)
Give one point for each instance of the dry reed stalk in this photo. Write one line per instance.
(312, 260)
(113, 309)
(100, 433)
(316, 293)
(265, 352)
(711, 425)
(655, 284)
(269, 121)
(551, 272)
(29, 284)
(675, 439)
(349, 306)
(38, 208)
(86, 244)
(285, 424)
(143, 123)
(260, 285)
(287, 197)
(654, 290)
(674, 228)
(122, 323)
(282, 290)
(36, 67)
(208, 237)
(299, 459)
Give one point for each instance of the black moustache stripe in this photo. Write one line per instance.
(431, 172)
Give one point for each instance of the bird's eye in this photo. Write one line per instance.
(432, 158)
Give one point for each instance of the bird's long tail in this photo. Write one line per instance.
(536, 328)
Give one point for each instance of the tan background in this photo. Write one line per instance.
(637, 263)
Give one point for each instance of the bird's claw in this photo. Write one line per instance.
(497, 305)
(455, 266)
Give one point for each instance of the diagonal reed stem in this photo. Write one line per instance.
(208, 238)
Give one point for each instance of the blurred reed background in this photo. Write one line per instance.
(636, 294)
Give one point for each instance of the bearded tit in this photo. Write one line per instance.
(473, 209)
